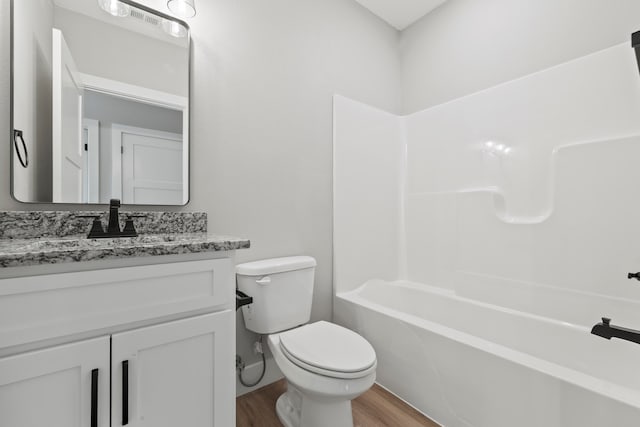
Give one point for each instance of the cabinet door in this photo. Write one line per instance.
(175, 374)
(65, 386)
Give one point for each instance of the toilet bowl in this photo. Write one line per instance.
(325, 365)
(321, 384)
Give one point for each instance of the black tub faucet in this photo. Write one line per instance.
(606, 330)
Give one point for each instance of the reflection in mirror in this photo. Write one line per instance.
(101, 98)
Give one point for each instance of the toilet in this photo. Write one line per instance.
(325, 365)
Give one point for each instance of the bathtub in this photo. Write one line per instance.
(466, 363)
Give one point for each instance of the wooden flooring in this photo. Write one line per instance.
(376, 408)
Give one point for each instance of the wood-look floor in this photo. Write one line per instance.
(375, 408)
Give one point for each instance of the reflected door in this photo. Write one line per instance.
(151, 166)
(67, 144)
(91, 161)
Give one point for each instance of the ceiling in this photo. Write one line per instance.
(401, 13)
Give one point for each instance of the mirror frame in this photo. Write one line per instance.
(187, 136)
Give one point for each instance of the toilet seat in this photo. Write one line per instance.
(329, 350)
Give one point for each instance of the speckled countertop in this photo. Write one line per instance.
(24, 252)
(176, 234)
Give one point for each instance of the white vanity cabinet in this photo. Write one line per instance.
(173, 374)
(63, 386)
(148, 345)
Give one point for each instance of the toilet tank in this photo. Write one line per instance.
(282, 291)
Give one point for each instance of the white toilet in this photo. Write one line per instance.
(325, 365)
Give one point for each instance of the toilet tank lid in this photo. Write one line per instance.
(275, 265)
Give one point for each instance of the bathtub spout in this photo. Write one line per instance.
(606, 330)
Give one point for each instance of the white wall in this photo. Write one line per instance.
(264, 74)
(468, 45)
(32, 97)
(264, 77)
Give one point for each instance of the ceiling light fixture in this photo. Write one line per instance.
(182, 8)
(115, 7)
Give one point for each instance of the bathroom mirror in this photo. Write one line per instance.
(100, 103)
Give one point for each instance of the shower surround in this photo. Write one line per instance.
(477, 242)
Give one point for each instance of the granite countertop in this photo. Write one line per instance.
(30, 238)
(25, 252)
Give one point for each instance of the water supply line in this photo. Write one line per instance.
(240, 366)
(243, 299)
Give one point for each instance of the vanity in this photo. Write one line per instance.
(116, 332)
(105, 332)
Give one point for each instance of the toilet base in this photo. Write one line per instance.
(297, 410)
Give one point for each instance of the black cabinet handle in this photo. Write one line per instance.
(94, 398)
(125, 392)
(17, 134)
(633, 276)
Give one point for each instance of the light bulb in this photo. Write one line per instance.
(182, 8)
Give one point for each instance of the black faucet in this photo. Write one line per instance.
(604, 329)
(633, 276)
(113, 226)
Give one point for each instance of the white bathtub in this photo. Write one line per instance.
(467, 363)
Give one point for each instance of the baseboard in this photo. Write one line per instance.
(252, 372)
